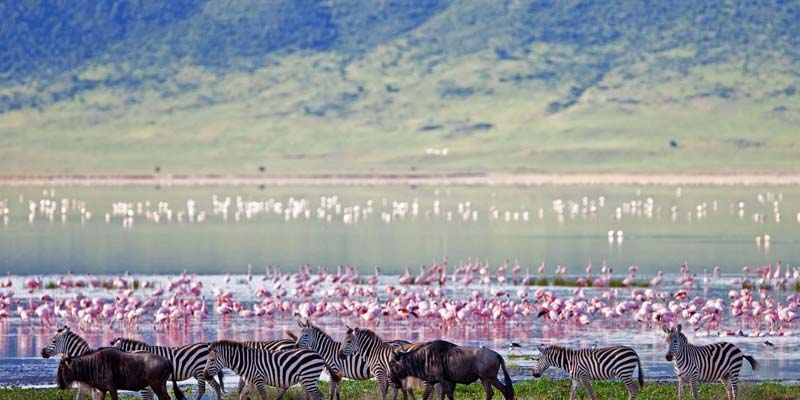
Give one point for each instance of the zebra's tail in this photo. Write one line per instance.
(509, 395)
(752, 361)
(641, 373)
(175, 388)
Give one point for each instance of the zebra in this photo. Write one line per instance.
(352, 367)
(187, 362)
(272, 345)
(585, 365)
(70, 344)
(377, 353)
(261, 368)
(720, 361)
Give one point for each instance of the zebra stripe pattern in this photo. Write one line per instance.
(187, 362)
(586, 365)
(70, 344)
(713, 362)
(272, 345)
(376, 352)
(261, 368)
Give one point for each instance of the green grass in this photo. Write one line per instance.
(527, 390)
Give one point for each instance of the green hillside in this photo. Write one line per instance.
(351, 86)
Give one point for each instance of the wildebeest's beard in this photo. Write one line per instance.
(63, 376)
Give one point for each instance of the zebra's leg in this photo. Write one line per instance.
(201, 385)
(633, 388)
(262, 390)
(217, 388)
(428, 390)
(311, 390)
(147, 394)
(573, 390)
(726, 381)
(694, 383)
(681, 384)
(383, 383)
(282, 393)
(241, 388)
(586, 382)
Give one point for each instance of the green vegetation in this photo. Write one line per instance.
(306, 86)
(539, 389)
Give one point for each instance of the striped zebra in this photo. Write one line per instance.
(713, 362)
(70, 344)
(261, 368)
(585, 365)
(187, 362)
(271, 345)
(377, 353)
(354, 366)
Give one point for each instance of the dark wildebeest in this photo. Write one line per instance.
(448, 364)
(109, 370)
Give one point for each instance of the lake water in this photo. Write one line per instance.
(662, 227)
(153, 232)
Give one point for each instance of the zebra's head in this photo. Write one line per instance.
(351, 342)
(308, 335)
(57, 343)
(213, 362)
(674, 341)
(541, 362)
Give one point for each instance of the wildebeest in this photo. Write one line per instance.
(109, 370)
(447, 364)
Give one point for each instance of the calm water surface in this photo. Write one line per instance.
(397, 227)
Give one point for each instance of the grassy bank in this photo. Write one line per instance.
(539, 389)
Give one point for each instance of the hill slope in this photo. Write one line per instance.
(302, 86)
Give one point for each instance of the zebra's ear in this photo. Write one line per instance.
(679, 328)
(300, 324)
(541, 347)
(666, 329)
(308, 323)
(349, 329)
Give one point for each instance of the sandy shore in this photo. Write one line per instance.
(421, 179)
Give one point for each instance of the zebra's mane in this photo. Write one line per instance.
(320, 333)
(368, 334)
(66, 334)
(229, 343)
(132, 341)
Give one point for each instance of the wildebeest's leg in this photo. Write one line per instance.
(160, 390)
(113, 393)
(102, 395)
(447, 389)
(487, 387)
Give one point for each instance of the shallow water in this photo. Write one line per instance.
(21, 343)
(573, 228)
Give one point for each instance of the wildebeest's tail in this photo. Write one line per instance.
(175, 388)
(641, 373)
(752, 361)
(509, 395)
